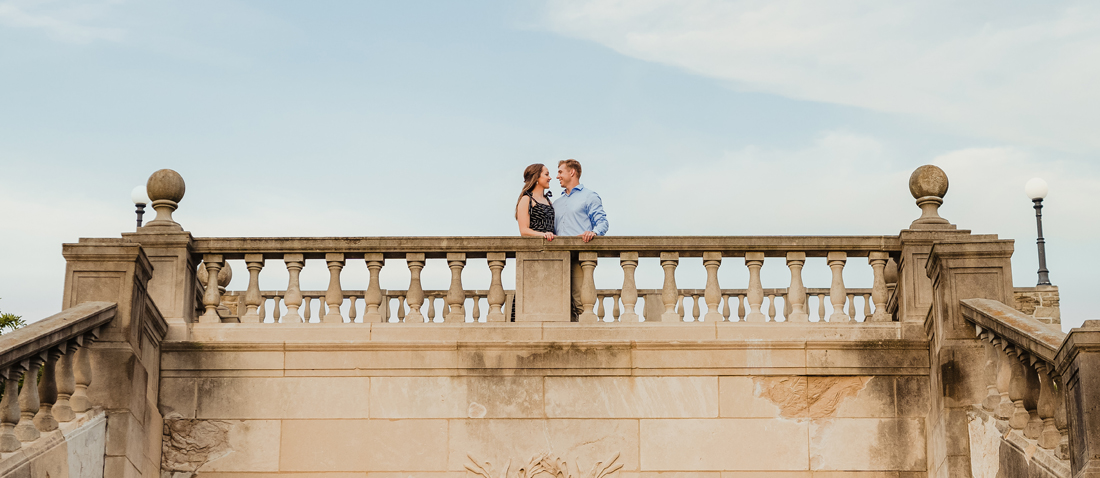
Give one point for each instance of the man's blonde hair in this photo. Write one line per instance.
(572, 164)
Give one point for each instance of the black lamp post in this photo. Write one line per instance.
(140, 198)
(1036, 189)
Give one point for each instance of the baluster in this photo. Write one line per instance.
(1034, 427)
(456, 296)
(741, 307)
(477, 308)
(695, 307)
(1017, 392)
(1004, 407)
(252, 298)
(588, 286)
(66, 384)
(415, 297)
(600, 312)
(796, 294)
(754, 261)
(683, 305)
(431, 309)
(821, 307)
(372, 298)
(9, 410)
(306, 310)
(992, 396)
(213, 297)
(725, 307)
(262, 311)
(1049, 437)
(384, 307)
(836, 291)
(878, 290)
(28, 402)
(713, 293)
(867, 308)
(277, 311)
(496, 297)
(293, 298)
(852, 307)
(1060, 419)
(786, 306)
(669, 260)
(615, 308)
(334, 296)
(401, 309)
(771, 307)
(351, 308)
(629, 261)
(47, 391)
(82, 373)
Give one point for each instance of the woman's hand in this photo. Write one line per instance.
(548, 235)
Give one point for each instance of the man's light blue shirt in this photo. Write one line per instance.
(578, 212)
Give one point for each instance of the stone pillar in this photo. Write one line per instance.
(1079, 367)
(126, 359)
(979, 267)
(169, 250)
(543, 287)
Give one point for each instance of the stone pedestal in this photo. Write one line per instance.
(173, 285)
(543, 287)
(1079, 366)
(126, 358)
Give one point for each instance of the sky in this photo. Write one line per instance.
(691, 117)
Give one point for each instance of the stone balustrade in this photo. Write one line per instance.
(335, 304)
(54, 348)
(1023, 385)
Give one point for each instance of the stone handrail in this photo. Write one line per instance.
(55, 343)
(456, 250)
(1025, 388)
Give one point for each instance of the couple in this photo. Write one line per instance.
(578, 212)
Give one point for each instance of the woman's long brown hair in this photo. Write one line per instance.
(530, 180)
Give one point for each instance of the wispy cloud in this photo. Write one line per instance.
(64, 22)
(1017, 72)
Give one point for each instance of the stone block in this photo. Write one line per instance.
(543, 282)
(913, 395)
(624, 332)
(767, 474)
(579, 442)
(741, 397)
(423, 358)
(363, 445)
(456, 397)
(749, 444)
(542, 358)
(867, 397)
(179, 397)
(223, 360)
(283, 397)
(775, 360)
(871, 444)
(248, 445)
(631, 397)
(823, 361)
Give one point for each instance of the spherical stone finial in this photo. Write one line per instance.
(928, 180)
(165, 189)
(225, 275)
(166, 184)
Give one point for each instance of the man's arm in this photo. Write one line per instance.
(597, 216)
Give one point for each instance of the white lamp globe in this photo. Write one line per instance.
(139, 195)
(1036, 188)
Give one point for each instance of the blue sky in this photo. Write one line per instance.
(417, 118)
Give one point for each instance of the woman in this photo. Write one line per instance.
(533, 210)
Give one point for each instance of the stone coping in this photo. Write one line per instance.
(11, 462)
(53, 331)
(478, 247)
(1039, 339)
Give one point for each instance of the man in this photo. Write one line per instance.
(578, 212)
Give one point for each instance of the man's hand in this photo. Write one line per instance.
(549, 236)
(587, 236)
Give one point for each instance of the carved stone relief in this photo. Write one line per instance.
(543, 465)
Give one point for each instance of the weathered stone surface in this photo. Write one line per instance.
(220, 445)
(283, 397)
(821, 397)
(884, 444)
(364, 445)
(631, 397)
(581, 442)
(724, 444)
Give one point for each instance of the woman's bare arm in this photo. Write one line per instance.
(523, 215)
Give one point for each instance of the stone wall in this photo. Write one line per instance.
(692, 399)
(1040, 302)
